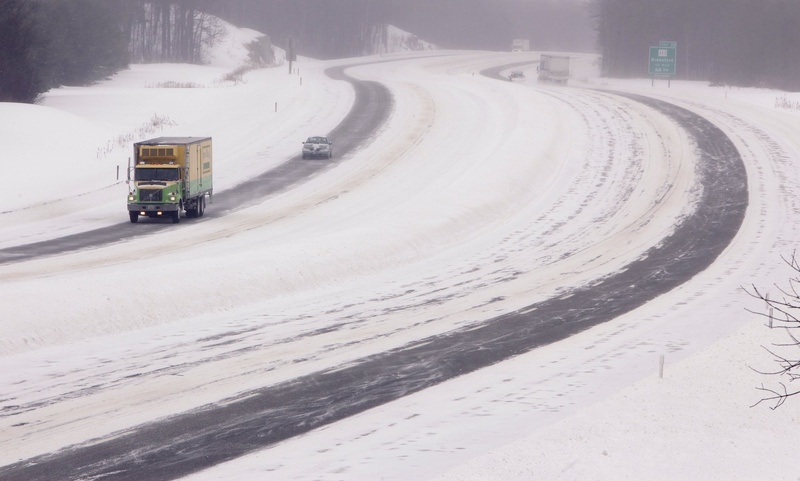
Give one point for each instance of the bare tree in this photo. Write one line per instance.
(783, 313)
(172, 30)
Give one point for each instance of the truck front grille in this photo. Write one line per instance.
(150, 195)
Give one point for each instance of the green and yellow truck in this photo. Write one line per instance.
(170, 175)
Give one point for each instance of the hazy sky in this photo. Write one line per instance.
(331, 29)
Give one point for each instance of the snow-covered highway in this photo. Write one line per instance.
(475, 199)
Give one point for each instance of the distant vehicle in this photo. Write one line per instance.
(319, 147)
(554, 68)
(520, 45)
(516, 74)
(170, 174)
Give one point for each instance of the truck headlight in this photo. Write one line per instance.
(172, 197)
(131, 197)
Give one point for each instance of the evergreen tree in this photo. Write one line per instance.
(87, 41)
(21, 49)
(737, 42)
(48, 43)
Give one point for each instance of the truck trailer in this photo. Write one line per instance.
(554, 68)
(520, 45)
(170, 175)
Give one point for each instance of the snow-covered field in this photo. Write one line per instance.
(416, 233)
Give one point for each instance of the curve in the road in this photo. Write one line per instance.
(494, 72)
(371, 108)
(200, 439)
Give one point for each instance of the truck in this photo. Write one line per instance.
(170, 175)
(520, 45)
(553, 68)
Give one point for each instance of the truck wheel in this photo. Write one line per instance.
(201, 206)
(134, 217)
(176, 216)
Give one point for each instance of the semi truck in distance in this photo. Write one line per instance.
(520, 45)
(170, 175)
(554, 68)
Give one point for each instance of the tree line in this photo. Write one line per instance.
(50, 43)
(47, 43)
(326, 29)
(170, 30)
(738, 42)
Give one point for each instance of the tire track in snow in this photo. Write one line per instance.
(219, 432)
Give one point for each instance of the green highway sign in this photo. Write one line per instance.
(662, 59)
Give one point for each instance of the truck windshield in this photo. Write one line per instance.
(166, 174)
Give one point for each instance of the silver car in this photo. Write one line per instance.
(317, 147)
